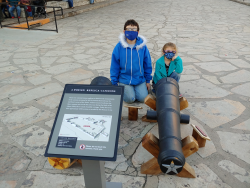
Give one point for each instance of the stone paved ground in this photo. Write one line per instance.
(214, 42)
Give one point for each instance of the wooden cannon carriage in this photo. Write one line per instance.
(170, 122)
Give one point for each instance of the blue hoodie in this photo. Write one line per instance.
(131, 66)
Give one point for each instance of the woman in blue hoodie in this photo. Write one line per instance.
(131, 64)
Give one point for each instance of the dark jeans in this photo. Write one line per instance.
(12, 8)
(70, 3)
(174, 75)
(33, 10)
(4, 9)
(1, 16)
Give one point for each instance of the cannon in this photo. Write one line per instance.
(169, 150)
(171, 159)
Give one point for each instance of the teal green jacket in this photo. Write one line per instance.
(160, 69)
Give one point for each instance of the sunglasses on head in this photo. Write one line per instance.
(169, 51)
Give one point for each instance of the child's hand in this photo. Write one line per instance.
(148, 86)
(174, 57)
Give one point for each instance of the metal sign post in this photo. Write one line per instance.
(94, 175)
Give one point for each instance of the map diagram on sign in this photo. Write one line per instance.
(86, 127)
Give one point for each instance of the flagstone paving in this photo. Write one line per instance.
(213, 39)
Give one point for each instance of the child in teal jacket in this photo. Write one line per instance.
(169, 65)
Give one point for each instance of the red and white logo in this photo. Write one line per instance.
(82, 147)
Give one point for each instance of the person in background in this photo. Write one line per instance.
(14, 4)
(26, 7)
(131, 64)
(33, 8)
(5, 7)
(1, 15)
(70, 2)
(40, 9)
(29, 11)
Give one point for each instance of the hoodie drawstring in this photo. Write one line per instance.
(139, 60)
(126, 59)
(131, 67)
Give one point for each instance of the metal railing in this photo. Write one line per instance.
(27, 21)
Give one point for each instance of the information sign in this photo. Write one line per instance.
(87, 123)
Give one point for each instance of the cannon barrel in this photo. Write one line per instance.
(171, 159)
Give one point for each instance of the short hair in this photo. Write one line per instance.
(131, 22)
(169, 44)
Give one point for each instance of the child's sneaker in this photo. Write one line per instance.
(12, 17)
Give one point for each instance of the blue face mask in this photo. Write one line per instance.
(131, 35)
(169, 55)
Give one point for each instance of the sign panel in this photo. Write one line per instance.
(87, 123)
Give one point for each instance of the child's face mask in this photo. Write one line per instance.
(169, 55)
(131, 35)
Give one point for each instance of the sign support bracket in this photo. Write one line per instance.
(94, 175)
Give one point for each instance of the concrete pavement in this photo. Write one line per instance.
(213, 38)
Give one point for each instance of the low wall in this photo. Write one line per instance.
(62, 4)
(245, 2)
(65, 5)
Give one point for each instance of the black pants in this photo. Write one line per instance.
(1, 16)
